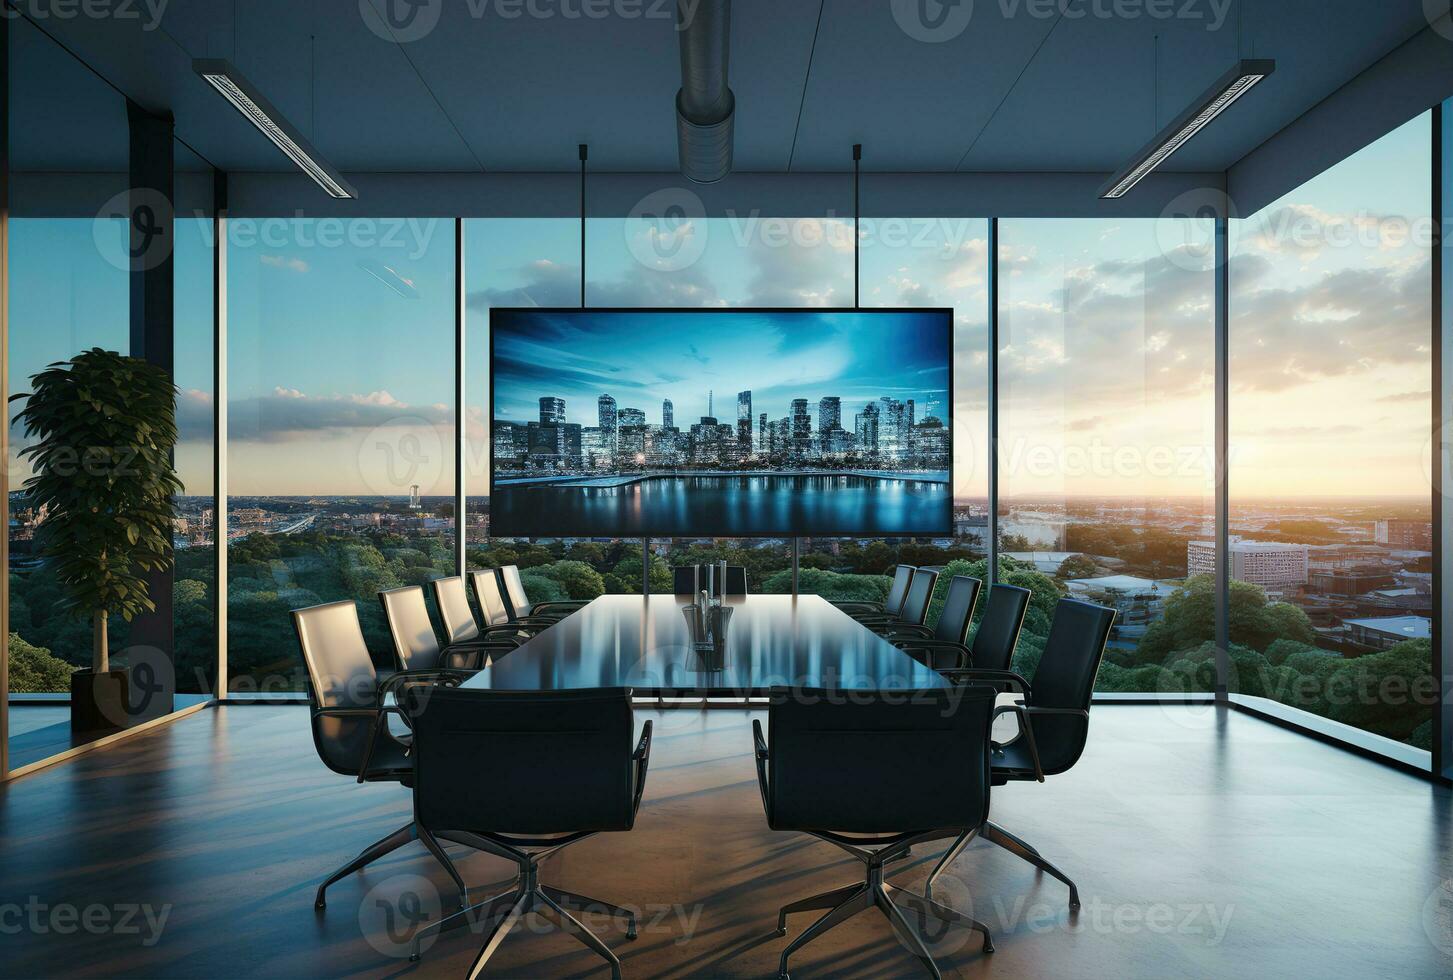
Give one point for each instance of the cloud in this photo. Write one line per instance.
(286, 413)
(1407, 396)
(283, 262)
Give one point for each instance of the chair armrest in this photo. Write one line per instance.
(1026, 732)
(761, 753)
(970, 675)
(1032, 709)
(860, 605)
(426, 675)
(909, 630)
(642, 757)
(960, 652)
(569, 605)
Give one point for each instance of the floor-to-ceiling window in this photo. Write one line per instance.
(341, 425)
(69, 280)
(1330, 378)
(1106, 405)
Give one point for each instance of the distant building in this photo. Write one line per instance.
(630, 416)
(1401, 535)
(1269, 564)
(1386, 632)
(1350, 581)
(1137, 602)
(744, 419)
(867, 429)
(668, 414)
(552, 411)
(606, 409)
(829, 414)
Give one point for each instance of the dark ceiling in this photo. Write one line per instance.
(1078, 92)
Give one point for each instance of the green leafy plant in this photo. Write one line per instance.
(102, 428)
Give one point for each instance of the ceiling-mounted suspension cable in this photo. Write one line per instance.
(584, 153)
(857, 239)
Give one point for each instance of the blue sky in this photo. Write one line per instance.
(643, 358)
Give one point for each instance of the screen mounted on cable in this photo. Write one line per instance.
(721, 423)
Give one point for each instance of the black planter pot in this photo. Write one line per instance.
(99, 702)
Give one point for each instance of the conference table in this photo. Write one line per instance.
(663, 646)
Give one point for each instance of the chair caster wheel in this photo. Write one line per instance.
(988, 947)
(781, 931)
(631, 933)
(413, 957)
(320, 905)
(1074, 906)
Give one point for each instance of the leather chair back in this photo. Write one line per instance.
(415, 642)
(517, 603)
(902, 575)
(453, 600)
(526, 762)
(491, 600)
(872, 763)
(1065, 678)
(994, 643)
(691, 579)
(958, 609)
(340, 675)
(920, 592)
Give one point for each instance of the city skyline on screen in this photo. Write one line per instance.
(702, 361)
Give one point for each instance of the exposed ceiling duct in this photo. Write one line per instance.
(705, 105)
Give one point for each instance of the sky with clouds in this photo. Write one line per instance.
(341, 354)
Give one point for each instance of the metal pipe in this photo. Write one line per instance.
(705, 106)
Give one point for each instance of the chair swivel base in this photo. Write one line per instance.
(387, 845)
(844, 903)
(501, 912)
(998, 835)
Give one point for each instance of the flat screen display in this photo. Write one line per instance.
(721, 423)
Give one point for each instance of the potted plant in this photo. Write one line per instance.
(103, 427)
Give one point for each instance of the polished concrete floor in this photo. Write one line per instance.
(1203, 845)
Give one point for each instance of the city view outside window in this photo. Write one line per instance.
(1331, 374)
(341, 426)
(1106, 402)
(65, 297)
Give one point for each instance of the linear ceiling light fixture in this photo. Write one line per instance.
(224, 77)
(1216, 100)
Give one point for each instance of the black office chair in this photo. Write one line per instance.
(519, 604)
(521, 775)
(865, 773)
(914, 610)
(1054, 718)
(462, 629)
(942, 645)
(416, 646)
(902, 575)
(994, 641)
(349, 719)
(693, 579)
(494, 611)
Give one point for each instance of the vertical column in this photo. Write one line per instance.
(5, 397)
(992, 283)
(219, 420)
(1441, 450)
(461, 442)
(1223, 497)
(151, 212)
